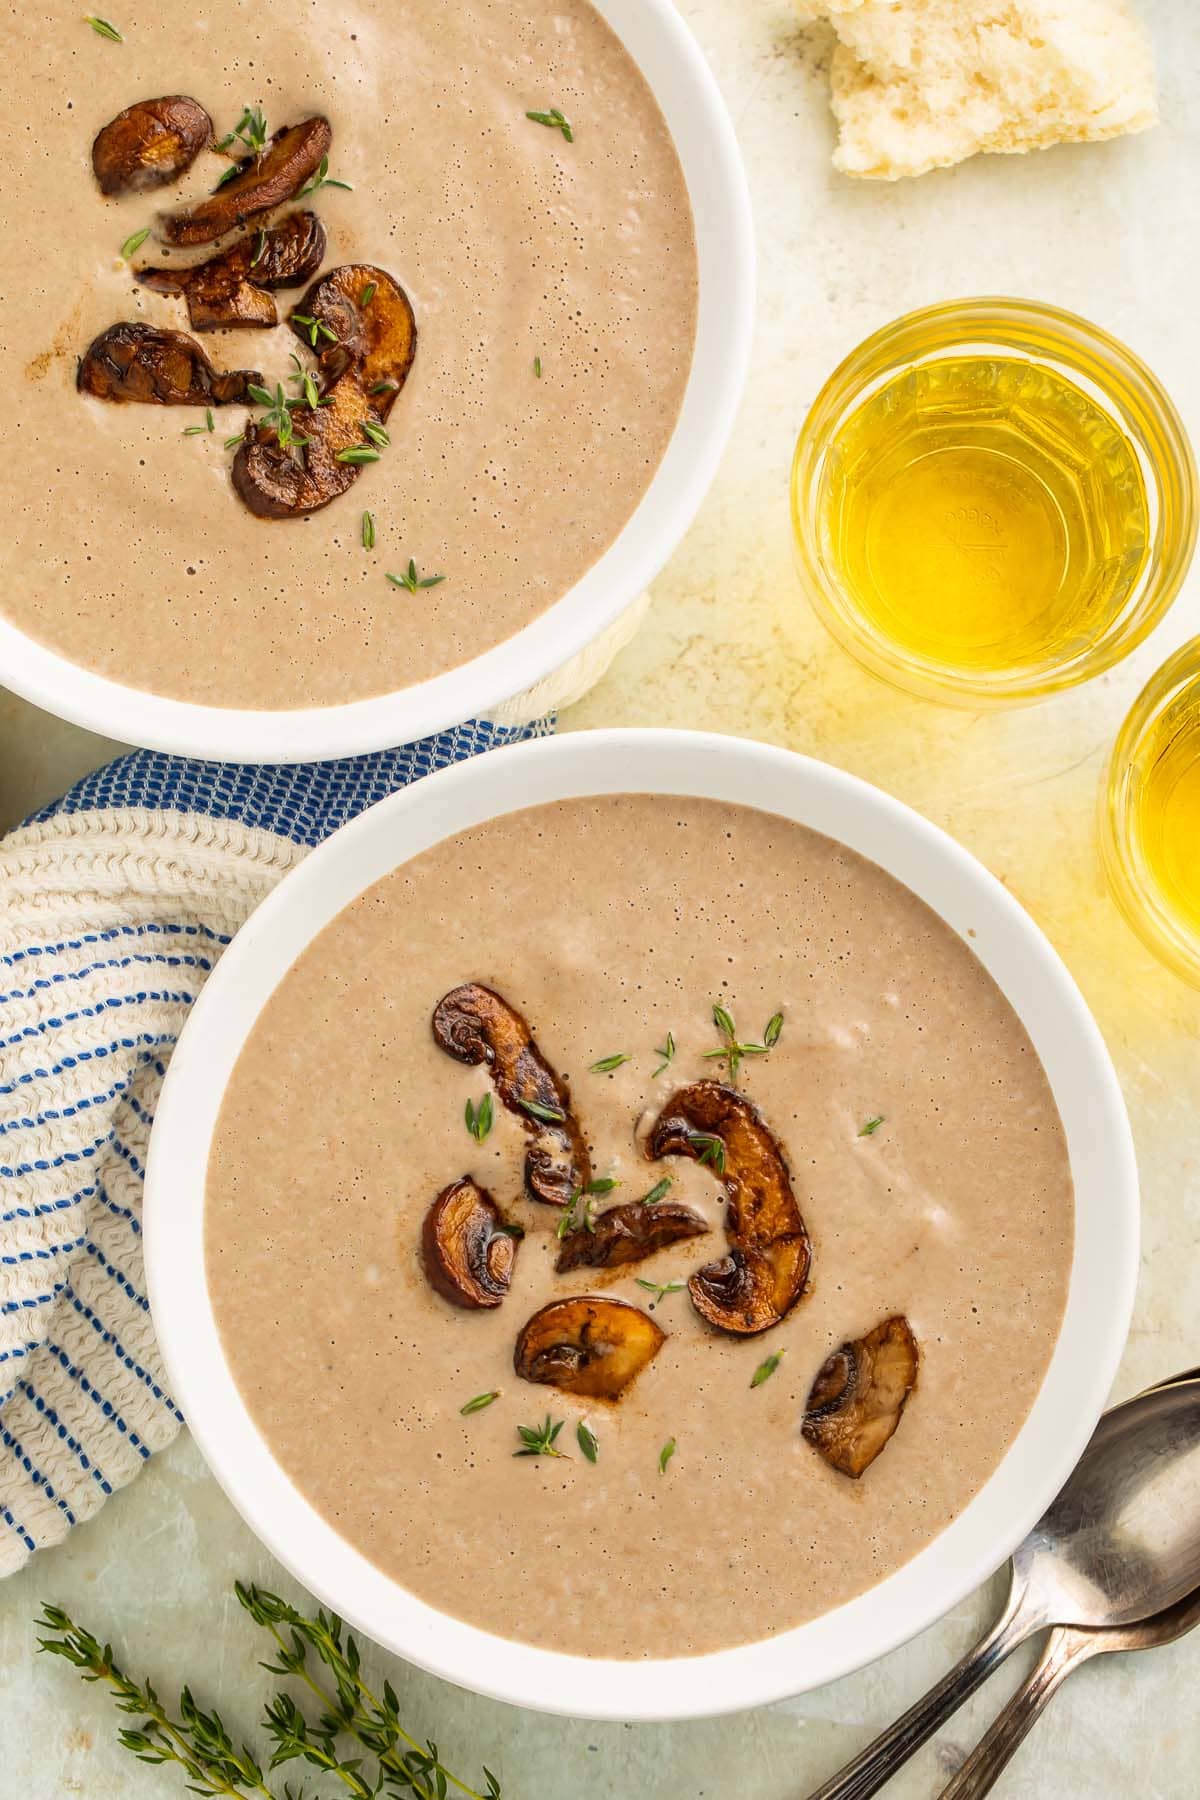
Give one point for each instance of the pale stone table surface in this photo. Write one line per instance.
(1112, 232)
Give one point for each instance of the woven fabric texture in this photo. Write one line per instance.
(115, 904)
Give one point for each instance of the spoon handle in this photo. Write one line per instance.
(1065, 1649)
(868, 1771)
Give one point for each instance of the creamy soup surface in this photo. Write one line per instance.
(125, 546)
(610, 923)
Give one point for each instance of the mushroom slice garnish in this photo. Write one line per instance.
(860, 1391)
(467, 1247)
(589, 1346)
(360, 317)
(369, 346)
(150, 143)
(158, 368)
(764, 1272)
(262, 183)
(474, 1024)
(628, 1234)
(230, 289)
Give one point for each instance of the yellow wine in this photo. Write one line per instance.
(1167, 801)
(985, 513)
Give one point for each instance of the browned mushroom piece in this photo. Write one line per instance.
(860, 1391)
(230, 289)
(467, 1247)
(373, 330)
(764, 1272)
(150, 144)
(476, 1025)
(628, 1234)
(158, 368)
(368, 351)
(262, 183)
(589, 1346)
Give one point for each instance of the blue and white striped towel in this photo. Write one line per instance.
(114, 905)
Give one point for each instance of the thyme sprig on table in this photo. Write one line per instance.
(199, 1744)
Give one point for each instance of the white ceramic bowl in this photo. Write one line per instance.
(1010, 947)
(675, 69)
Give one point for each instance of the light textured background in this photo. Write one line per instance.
(1111, 231)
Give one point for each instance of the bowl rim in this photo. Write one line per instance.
(662, 45)
(966, 896)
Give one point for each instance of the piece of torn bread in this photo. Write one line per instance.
(920, 84)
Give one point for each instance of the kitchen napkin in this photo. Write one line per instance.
(115, 903)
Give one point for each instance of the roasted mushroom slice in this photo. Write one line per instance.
(359, 316)
(261, 184)
(627, 1234)
(150, 144)
(158, 368)
(764, 1272)
(593, 1347)
(476, 1025)
(466, 1246)
(370, 340)
(230, 289)
(860, 1391)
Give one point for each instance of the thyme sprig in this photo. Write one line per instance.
(667, 1052)
(732, 1050)
(607, 1064)
(199, 1744)
(660, 1289)
(414, 583)
(278, 417)
(250, 131)
(316, 328)
(538, 1440)
(556, 120)
(709, 1148)
(479, 1117)
(321, 179)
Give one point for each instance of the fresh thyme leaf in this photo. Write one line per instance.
(230, 442)
(772, 1033)
(566, 1223)
(585, 1437)
(230, 174)
(259, 247)
(261, 394)
(368, 531)
(376, 433)
(549, 1115)
(656, 1192)
(871, 1126)
(607, 1063)
(479, 1403)
(724, 1024)
(250, 131)
(603, 1184)
(555, 120)
(667, 1052)
(665, 1455)
(538, 1440)
(589, 1217)
(321, 179)
(517, 1232)
(711, 1149)
(383, 387)
(414, 583)
(359, 453)
(201, 430)
(537, 367)
(479, 1118)
(134, 242)
(659, 1289)
(766, 1369)
(210, 422)
(368, 294)
(103, 28)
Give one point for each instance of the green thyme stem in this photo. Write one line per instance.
(370, 1727)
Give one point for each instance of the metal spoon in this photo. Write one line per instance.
(1066, 1647)
(1120, 1544)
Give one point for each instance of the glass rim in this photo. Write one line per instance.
(1137, 894)
(1129, 390)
